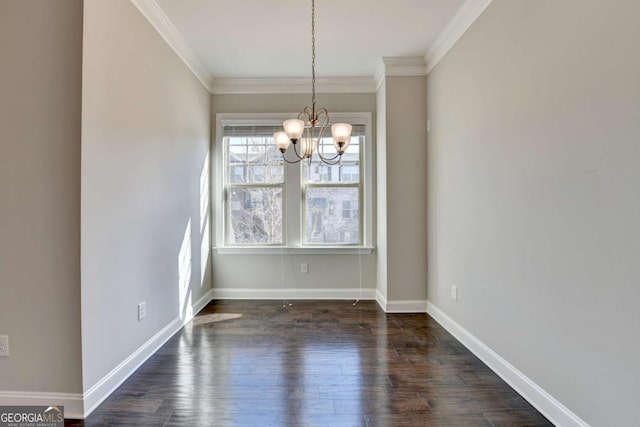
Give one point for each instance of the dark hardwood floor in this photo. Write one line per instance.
(320, 363)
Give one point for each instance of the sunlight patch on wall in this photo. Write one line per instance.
(184, 274)
(204, 193)
(205, 248)
(205, 197)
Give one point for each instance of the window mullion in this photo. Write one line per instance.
(332, 184)
(293, 206)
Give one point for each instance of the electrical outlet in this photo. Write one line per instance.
(142, 310)
(454, 292)
(4, 345)
(304, 268)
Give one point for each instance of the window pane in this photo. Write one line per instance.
(237, 153)
(350, 173)
(255, 215)
(237, 173)
(253, 160)
(332, 215)
(346, 172)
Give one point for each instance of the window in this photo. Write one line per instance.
(339, 185)
(263, 201)
(254, 186)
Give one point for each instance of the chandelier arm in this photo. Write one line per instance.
(291, 162)
(322, 116)
(331, 162)
(329, 158)
(325, 159)
(325, 113)
(295, 150)
(305, 115)
(322, 119)
(308, 136)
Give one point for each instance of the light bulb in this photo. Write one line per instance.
(341, 136)
(294, 128)
(341, 148)
(282, 141)
(341, 131)
(308, 146)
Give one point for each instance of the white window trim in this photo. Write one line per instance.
(292, 227)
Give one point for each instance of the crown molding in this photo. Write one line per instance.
(399, 66)
(378, 75)
(404, 66)
(163, 25)
(459, 24)
(293, 85)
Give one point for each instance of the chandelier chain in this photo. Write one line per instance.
(313, 54)
(311, 125)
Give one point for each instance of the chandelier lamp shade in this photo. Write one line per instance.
(306, 132)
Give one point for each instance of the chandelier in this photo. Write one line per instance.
(311, 124)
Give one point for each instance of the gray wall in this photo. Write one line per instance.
(41, 57)
(534, 201)
(381, 193)
(264, 271)
(406, 178)
(145, 142)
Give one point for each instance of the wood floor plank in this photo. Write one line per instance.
(317, 363)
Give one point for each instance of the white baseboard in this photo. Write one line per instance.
(381, 300)
(550, 407)
(407, 306)
(293, 294)
(95, 395)
(401, 306)
(200, 304)
(72, 402)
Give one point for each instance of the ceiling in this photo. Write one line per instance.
(272, 39)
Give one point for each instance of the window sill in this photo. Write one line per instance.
(302, 250)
